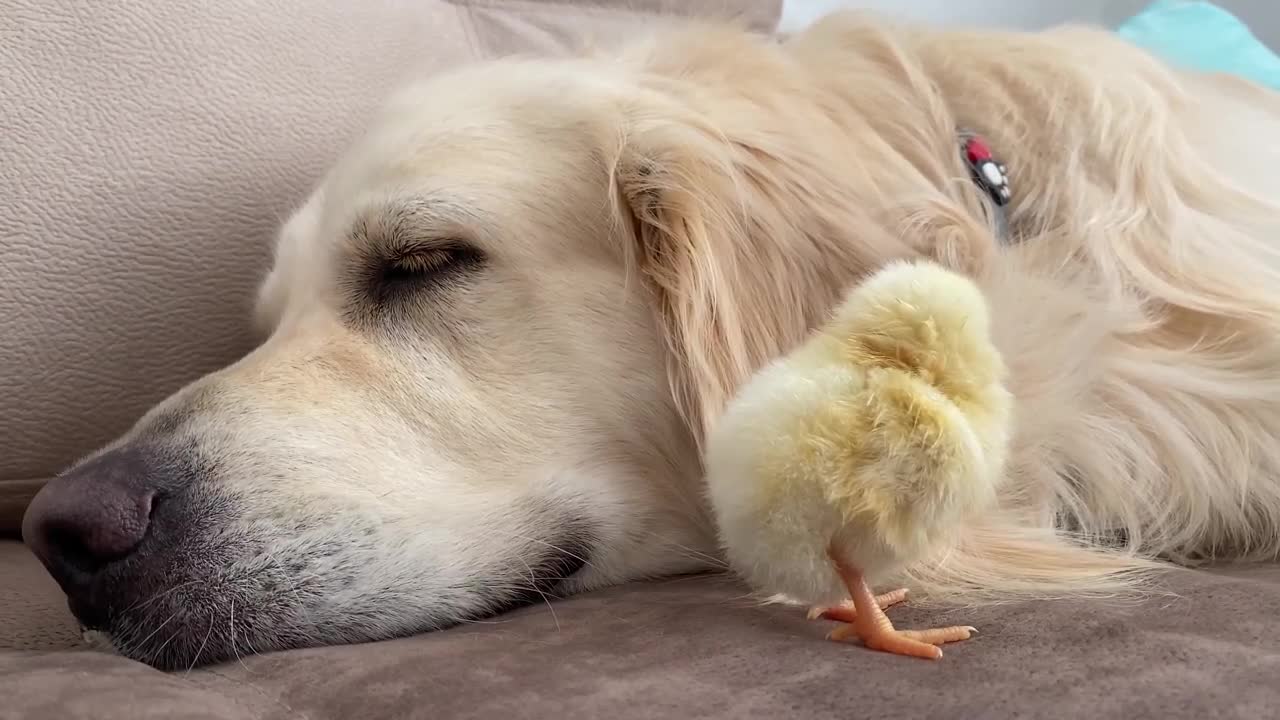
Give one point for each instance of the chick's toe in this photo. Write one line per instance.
(847, 613)
(912, 643)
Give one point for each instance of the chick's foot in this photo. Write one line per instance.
(870, 625)
(913, 643)
(847, 613)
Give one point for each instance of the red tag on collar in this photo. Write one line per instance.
(990, 174)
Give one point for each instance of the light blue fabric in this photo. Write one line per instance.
(1202, 35)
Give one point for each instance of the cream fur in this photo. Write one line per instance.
(661, 223)
(1137, 309)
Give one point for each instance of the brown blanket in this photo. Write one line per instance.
(690, 648)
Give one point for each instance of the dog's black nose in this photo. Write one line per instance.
(94, 515)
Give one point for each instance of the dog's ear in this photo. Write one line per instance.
(705, 230)
(294, 256)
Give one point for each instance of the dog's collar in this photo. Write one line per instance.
(990, 175)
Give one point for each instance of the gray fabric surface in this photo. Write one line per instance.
(697, 648)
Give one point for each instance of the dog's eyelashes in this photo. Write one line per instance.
(399, 281)
(395, 284)
(423, 268)
(416, 265)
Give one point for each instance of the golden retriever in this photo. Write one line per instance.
(500, 330)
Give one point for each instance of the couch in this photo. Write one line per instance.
(147, 154)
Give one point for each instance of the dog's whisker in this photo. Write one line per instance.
(156, 654)
(157, 629)
(552, 546)
(534, 582)
(196, 660)
(231, 626)
(144, 603)
(689, 552)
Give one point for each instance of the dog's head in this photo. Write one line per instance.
(494, 333)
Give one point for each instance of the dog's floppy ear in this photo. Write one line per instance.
(706, 230)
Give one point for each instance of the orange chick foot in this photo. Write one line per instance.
(847, 613)
(865, 620)
(913, 643)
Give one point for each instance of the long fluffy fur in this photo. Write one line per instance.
(1138, 307)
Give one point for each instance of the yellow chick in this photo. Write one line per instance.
(864, 450)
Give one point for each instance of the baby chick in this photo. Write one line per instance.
(864, 450)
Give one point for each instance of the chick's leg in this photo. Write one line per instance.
(874, 629)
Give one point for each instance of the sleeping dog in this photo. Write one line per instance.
(502, 327)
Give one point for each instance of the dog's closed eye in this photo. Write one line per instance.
(426, 265)
(421, 268)
(392, 280)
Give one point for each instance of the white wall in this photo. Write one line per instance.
(1263, 16)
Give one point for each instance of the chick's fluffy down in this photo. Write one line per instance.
(876, 438)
